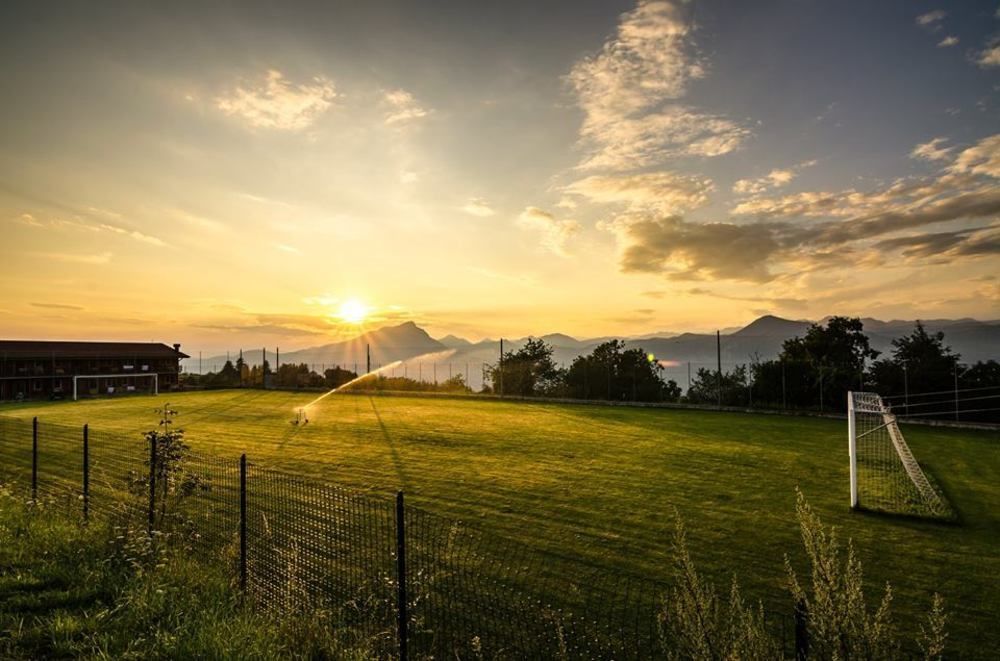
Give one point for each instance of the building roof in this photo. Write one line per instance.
(24, 349)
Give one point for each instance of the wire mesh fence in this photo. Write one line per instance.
(400, 580)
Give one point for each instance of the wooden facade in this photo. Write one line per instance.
(45, 370)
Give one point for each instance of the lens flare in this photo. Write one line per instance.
(352, 311)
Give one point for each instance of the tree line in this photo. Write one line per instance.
(813, 371)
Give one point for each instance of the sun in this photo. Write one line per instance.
(353, 311)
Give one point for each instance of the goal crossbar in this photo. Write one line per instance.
(154, 375)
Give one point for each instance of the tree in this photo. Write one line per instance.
(613, 372)
(227, 377)
(834, 356)
(529, 371)
(922, 359)
(705, 387)
(335, 377)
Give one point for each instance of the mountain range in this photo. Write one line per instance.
(762, 338)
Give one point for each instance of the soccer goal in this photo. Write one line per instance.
(885, 476)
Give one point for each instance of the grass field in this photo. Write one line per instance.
(600, 483)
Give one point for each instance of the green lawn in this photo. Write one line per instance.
(600, 484)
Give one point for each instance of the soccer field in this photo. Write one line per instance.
(600, 484)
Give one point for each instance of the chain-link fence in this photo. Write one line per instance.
(397, 579)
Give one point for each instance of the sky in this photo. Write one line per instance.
(239, 174)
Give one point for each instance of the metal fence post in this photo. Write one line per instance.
(801, 632)
(152, 482)
(243, 523)
(34, 459)
(401, 603)
(86, 473)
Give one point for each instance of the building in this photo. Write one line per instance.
(53, 370)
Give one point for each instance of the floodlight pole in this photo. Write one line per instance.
(368, 358)
(852, 448)
(718, 357)
(956, 388)
(501, 367)
(906, 387)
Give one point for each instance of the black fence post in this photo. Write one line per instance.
(86, 473)
(401, 603)
(34, 459)
(152, 482)
(801, 632)
(243, 523)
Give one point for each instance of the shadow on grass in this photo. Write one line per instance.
(32, 586)
(397, 463)
(40, 604)
(912, 521)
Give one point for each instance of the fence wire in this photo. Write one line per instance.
(310, 548)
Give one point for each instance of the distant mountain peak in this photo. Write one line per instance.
(772, 325)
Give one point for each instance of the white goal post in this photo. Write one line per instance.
(885, 475)
(154, 376)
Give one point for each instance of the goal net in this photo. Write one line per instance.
(885, 476)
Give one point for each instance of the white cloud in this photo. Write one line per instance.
(624, 92)
(477, 206)
(773, 179)
(950, 40)
(983, 158)
(931, 18)
(633, 142)
(402, 107)
(555, 232)
(647, 62)
(665, 192)
(408, 177)
(958, 189)
(286, 248)
(277, 103)
(74, 258)
(989, 57)
(88, 225)
(932, 151)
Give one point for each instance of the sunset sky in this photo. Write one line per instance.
(230, 176)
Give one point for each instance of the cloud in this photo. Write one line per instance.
(408, 177)
(627, 90)
(134, 234)
(983, 158)
(647, 62)
(946, 245)
(931, 19)
(75, 258)
(555, 232)
(276, 103)
(286, 248)
(266, 329)
(989, 56)
(932, 151)
(950, 40)
(773, 179)
(779, 301)
(477, 206)
(402, 107)
(632, 142)
(89, 225)
(685, 250)
(851, 228)
(57, 306)
(956, 192)
(666, 192)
